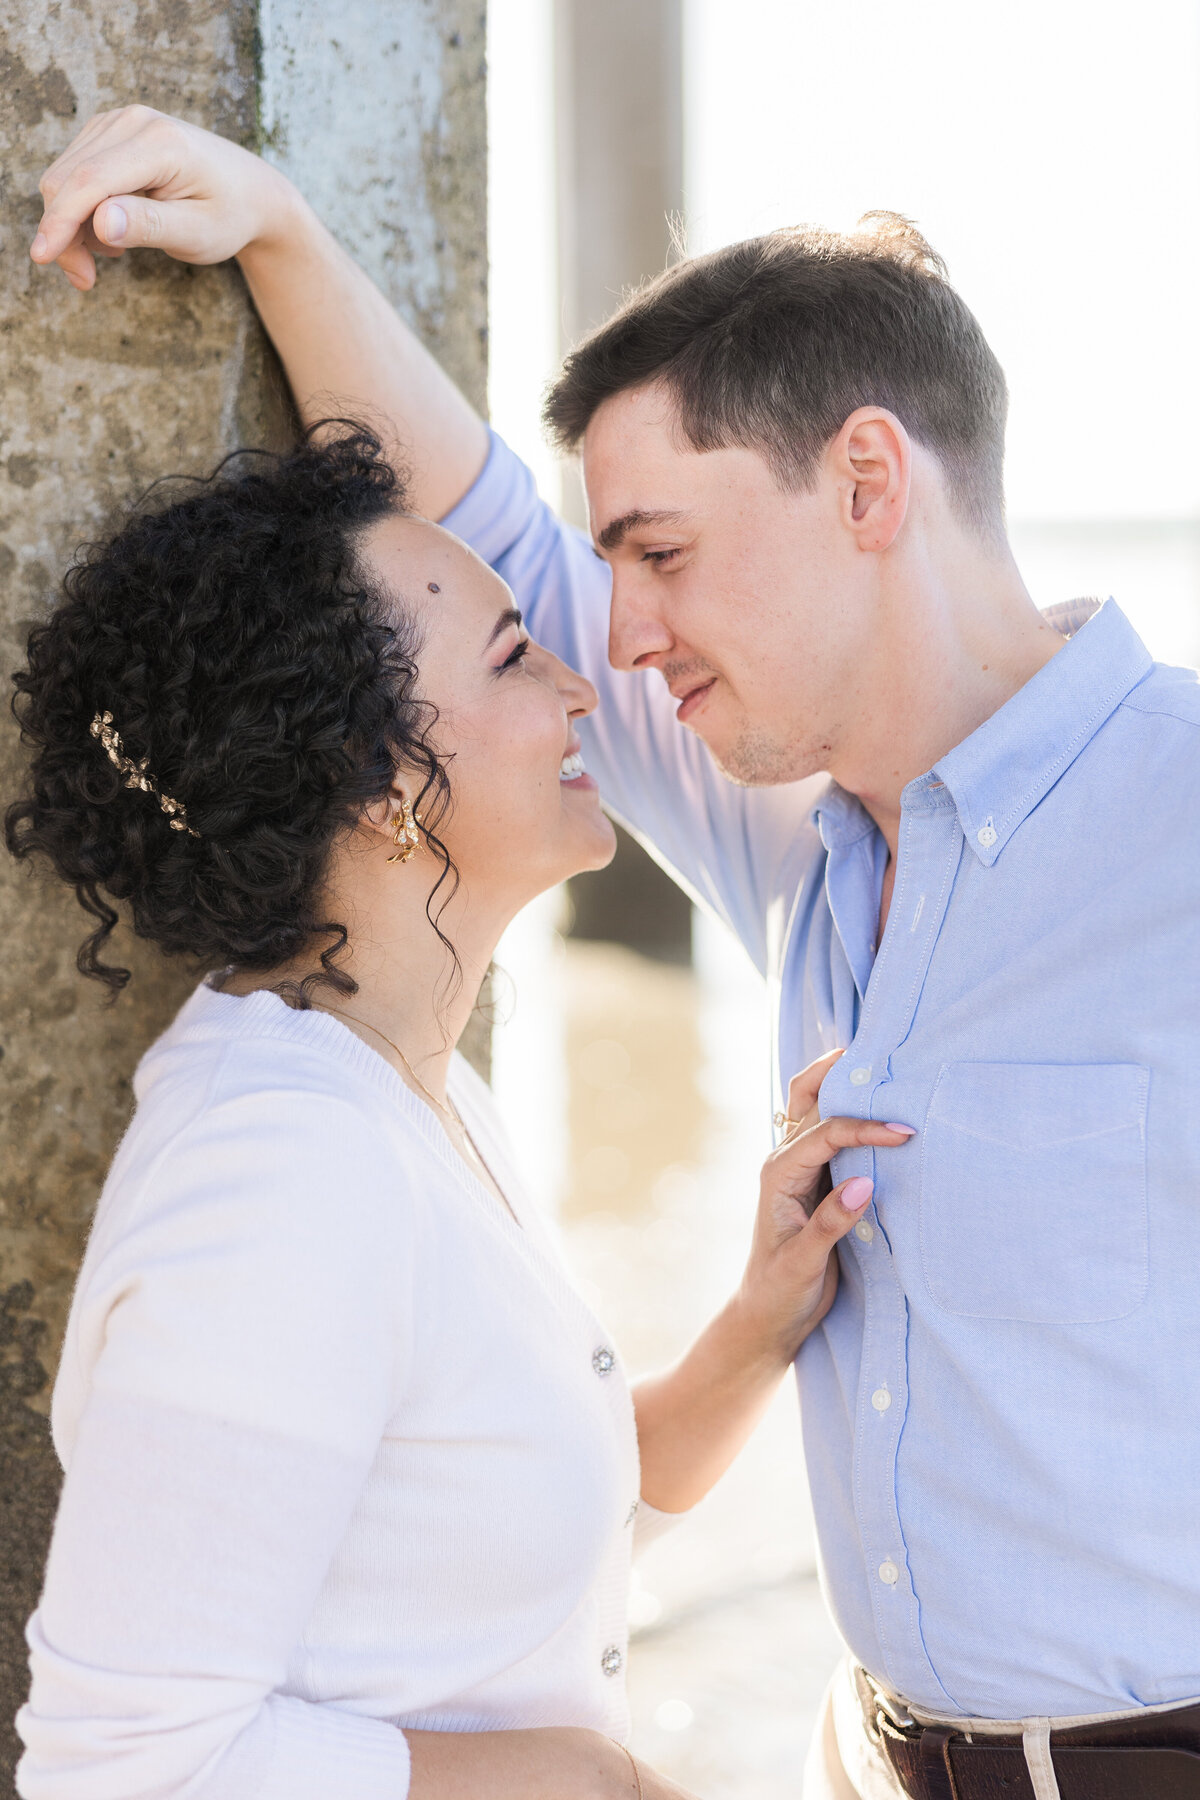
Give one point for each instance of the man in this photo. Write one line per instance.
(792, 450)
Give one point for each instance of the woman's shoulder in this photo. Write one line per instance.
(226, 1054)
(257, 1203)
(249, 1115)
(222, 1047)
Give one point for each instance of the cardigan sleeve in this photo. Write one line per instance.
(650, 1523)
(250, 1319)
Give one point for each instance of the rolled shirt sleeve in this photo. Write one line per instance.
(251, 1320)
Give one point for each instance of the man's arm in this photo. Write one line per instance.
(737, 850)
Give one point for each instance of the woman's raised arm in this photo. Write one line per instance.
(136, 179)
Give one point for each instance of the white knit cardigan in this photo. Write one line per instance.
(345, 1451)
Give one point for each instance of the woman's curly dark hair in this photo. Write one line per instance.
(242, 650)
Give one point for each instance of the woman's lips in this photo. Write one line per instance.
(582, 784)
(692, 702)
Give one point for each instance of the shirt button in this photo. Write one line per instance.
(864, 1230)
(986, 835)
(889, 1573)
(631, 1515)
(612, 1662)
(881, 1399)
(603, 1360)
(860, 1077)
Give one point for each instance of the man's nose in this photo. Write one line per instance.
(636, 633)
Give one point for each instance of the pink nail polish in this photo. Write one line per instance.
(38, 246)
(856, 1193)
(908, 1130)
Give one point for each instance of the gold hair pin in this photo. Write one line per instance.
(137, 774)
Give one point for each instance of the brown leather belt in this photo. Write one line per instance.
(1153, 1757)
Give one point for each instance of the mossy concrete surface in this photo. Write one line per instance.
(162, 369)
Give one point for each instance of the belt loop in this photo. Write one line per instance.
(1035, 1741)
(934, 1760)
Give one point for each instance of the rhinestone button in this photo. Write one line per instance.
(603, 1360)
(612, 1662)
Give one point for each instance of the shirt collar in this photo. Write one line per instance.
(999, 774)
(1004, 769)
(840, 818)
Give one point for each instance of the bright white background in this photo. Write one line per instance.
(1050, 151)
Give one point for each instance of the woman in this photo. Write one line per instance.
(352, 1472)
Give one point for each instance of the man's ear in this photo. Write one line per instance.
(871, 462)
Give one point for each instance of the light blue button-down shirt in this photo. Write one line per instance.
(1002, 1410)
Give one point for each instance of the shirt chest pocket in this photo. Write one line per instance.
(1033, 1191)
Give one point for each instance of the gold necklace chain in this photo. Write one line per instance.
(451, 1111)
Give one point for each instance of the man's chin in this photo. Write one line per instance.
(755, 759)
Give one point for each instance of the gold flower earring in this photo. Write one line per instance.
(405, 835)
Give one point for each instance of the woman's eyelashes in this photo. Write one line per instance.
(510, 662)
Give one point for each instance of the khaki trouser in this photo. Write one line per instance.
(843, 1763)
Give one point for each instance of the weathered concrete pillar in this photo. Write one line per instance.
(377, 108)
(620, 149)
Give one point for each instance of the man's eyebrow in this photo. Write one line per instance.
(617, 530)
(510, 616)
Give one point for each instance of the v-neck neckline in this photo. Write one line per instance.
(263, 1013)
(526, 1233)
(266, 1013)
(501, 1201)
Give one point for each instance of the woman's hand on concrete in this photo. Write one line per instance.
(136, 178)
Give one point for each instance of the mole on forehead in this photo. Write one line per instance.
(433, 587)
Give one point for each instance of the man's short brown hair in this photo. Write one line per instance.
(772, 343)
